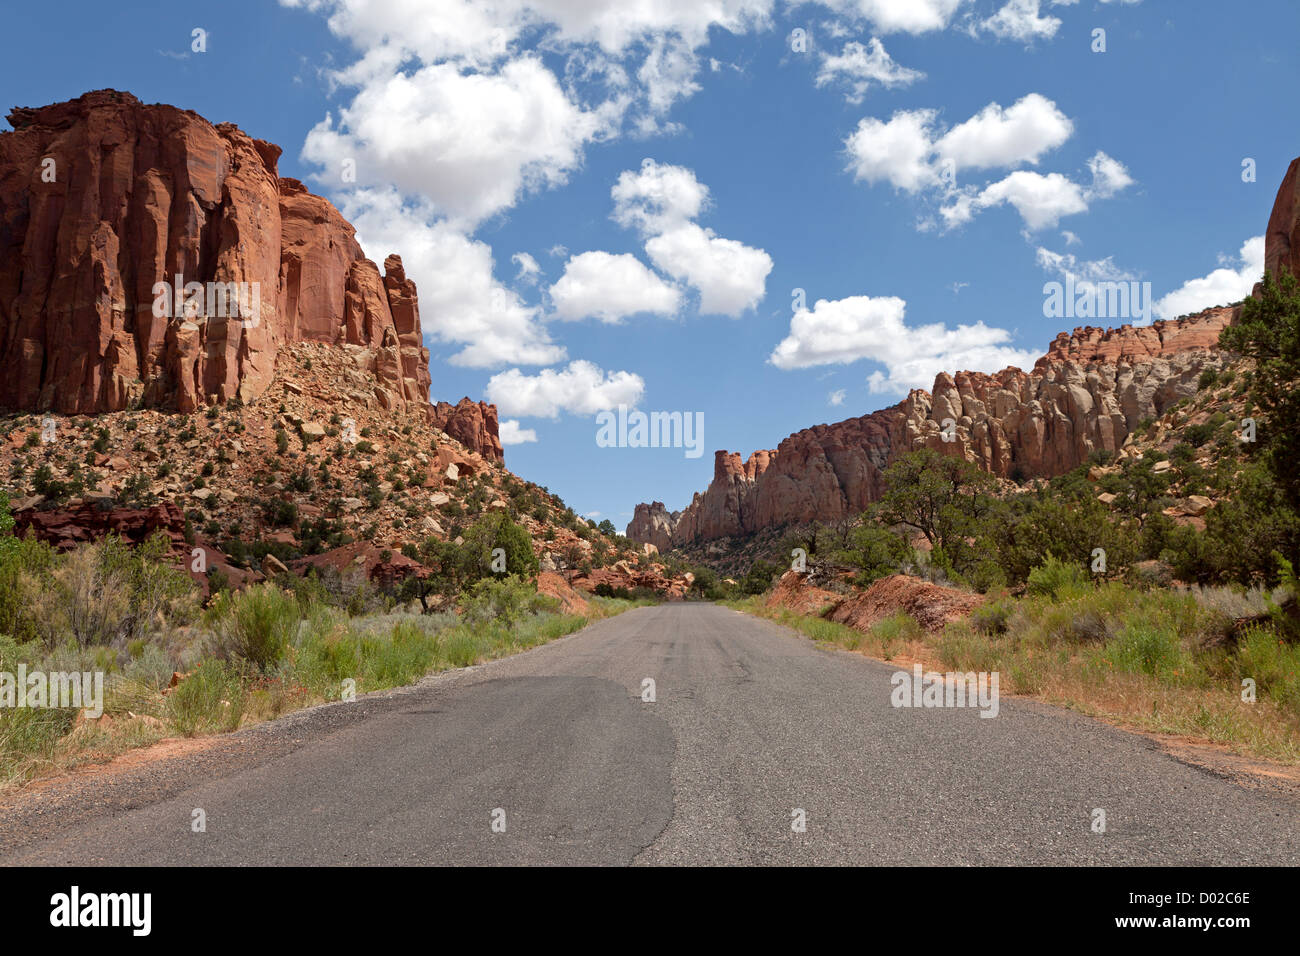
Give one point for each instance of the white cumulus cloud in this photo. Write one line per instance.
(662, 201)
(862, 67)
(582, 388)
(1021, 20)
(611, 287)
(997, 137)
(656, 198)
(461, 303)
(511, 433)
(860, 327)
(1041, 200)
(1230, 283)
(730, 276)
(899, 16)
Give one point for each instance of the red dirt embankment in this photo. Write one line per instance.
(931, 605)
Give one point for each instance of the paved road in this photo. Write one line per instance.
(750, 722)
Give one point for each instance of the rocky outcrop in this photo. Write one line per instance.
(1087, 394)
(67, 527)
(653, 524)
(360, 562)
(622, 576)
(473, 424)
(105, 201)
(930, 605)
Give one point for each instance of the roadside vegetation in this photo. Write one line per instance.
(173, 666)
(1094, 596)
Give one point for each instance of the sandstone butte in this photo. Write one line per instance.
(1087, 394)
(101, 197)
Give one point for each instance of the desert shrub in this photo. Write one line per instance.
(1058, 580)
(1145, 648)
(875, 551)
(960, 648)
(29, 735)
(900, 626)
(495, 530)
(993, 617)
(759, 577)
(257, 624)
(85, 597)
(211, 699)
(24, 565)
(506, 601)
(463, 646)
(1272, 663)
(1088, 626)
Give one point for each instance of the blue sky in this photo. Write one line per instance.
(919, 168)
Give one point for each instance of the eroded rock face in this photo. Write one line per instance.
(103, 198)
(1088, 393)
(473, 424)
(653, 524)
(1282, 240)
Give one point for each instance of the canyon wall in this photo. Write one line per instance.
(1086, 394)
(103, 197)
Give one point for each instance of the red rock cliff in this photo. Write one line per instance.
(1282, 240)
(103, 197)
(473, 424)
(1086, 394)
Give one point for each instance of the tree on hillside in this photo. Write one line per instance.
(875, 551)
(1268, 331)
(946, 499)
(496, 531)
(759, 577)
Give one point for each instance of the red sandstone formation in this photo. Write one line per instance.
(1282, 240)
(653, 524)
(103, 197)
(930, 605)
(362, 561)
(1087, 393)
(622, 575)
(473, 424)
(72, 526)
(793, 592)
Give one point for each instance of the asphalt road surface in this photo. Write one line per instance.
(751, 722)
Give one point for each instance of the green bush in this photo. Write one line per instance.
(257, 625)
(993, 617)
(1058, 580)
(495, 530)
(1144, 648)
(210, 699)
(507, 601)
(1272, 663)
